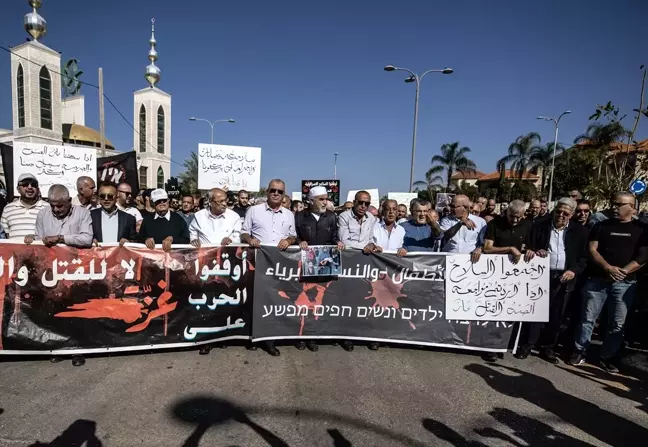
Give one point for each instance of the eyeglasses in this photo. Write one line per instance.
(562, 213)
(275, 191)
(106, 196)
(362, 203)
(619, 204)
(33, 184)
(126, 193)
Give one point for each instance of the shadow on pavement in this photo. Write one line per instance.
(211, 411)
(597, 422)
(442, 431)
(80, 433)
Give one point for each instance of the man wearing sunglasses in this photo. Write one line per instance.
(19, 217)
(564, 241)
(109, 224)
(270, 223)
(87, 193)
(618, 247)
(125, 202)
(583, 213)
(355, 226)
(163, 227)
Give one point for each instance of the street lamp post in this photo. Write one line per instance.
(211, 123)
(416, 78)
(335, 154)
(553, 158)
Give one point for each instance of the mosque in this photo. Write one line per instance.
(42, 115)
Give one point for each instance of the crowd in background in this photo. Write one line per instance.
(595, 258)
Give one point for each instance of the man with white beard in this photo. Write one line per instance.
(316, 226)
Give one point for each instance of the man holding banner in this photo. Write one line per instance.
(216, 225)
(164, 227)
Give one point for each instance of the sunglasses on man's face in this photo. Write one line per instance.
(275, 191)
(126, 193)
(162, 201)
(362, 203)
(26, 184)
(106, 196)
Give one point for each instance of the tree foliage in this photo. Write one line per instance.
(189, 177)
(519, 154)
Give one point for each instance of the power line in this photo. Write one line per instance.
(104, 95)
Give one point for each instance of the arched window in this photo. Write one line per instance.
(143, 177)
(160, 130)
(160, 177)
(142, 129)
(45, 98)
(20, 81)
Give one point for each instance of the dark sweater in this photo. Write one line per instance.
(161, 228)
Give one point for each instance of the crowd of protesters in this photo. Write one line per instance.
(595, 258)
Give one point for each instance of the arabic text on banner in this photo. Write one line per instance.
(54, 164)
(495, 289)
(234, 167)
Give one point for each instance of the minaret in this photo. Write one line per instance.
(152, 121)
(36, 85)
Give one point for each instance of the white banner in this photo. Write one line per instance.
(296, 195)
(237, 167)
(495, 289)
(53, 164)
(403, 198)
(375, 197)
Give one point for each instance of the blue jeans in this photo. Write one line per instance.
(618, 296)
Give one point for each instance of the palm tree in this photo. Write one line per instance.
(519, 154)
(189, 177)
(600, 137)
(452, 159)
(540, 161)
(433, 182)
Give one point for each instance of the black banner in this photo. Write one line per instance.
(6, 152)
(377, 298)
(119, 168)
(332, 188)
(64, 299)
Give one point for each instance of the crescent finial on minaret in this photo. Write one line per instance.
(153, 72)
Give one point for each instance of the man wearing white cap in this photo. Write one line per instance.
(163, 227)
(316, 226)
(19, 217)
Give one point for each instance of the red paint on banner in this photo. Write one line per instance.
(164, 307)
(128, 310)
(386, 292)
(130, 290)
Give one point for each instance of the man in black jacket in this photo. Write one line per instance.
(565, 243)
(163, 227)
(109, 224)
(316, 226)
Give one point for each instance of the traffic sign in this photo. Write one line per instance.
(638, 187)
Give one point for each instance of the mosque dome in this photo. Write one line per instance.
(83, 136)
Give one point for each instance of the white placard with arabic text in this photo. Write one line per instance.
(495, 289)
(52, 164)
(403, 198)
(236, 167)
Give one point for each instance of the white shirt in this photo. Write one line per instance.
(167, 216)
(465, 240)
(388, 240)
(133, 212)
(89, 206)
(211, 229)
(557, 248)
(110, 226)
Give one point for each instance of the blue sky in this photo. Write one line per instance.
(304, 79)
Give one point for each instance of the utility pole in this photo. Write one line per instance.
(102, 123)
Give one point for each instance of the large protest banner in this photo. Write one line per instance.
(332, 188)
(65, 300)
(495, 289)
(234, 167)
(377, 298)
(53, 164)
(119, 168)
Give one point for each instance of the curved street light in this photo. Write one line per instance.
(553, 158)
(212, 123)
(413, 77)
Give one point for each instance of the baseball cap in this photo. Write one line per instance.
(158, 194)
(27, 176)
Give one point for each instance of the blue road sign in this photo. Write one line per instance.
(638, 187)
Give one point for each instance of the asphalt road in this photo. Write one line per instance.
(396, 396)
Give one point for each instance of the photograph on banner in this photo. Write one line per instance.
(321, 260)
(375, 197)
(332, 189)
(52, 164)
(403, 198)
(495, 289)
(231, 167)
(375, 298)
(443, 200)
